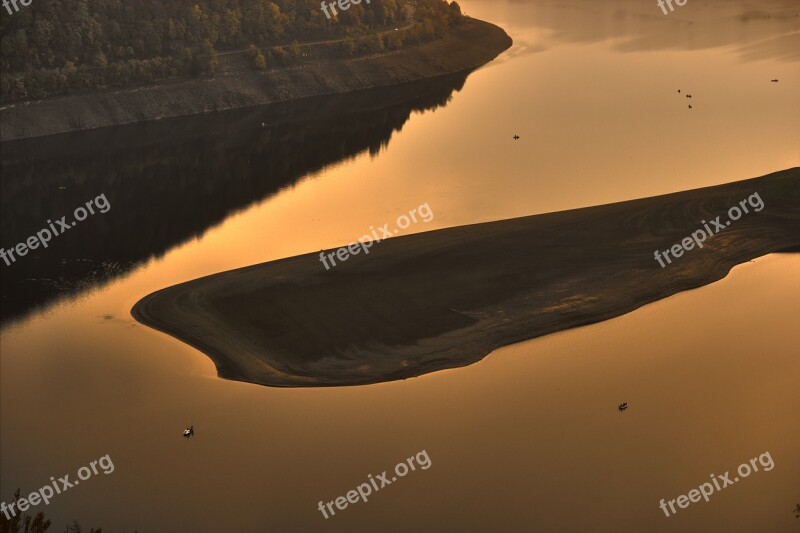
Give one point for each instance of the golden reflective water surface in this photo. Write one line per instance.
(528, 439)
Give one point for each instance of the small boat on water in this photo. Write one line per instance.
(623, 406)
(188, 432)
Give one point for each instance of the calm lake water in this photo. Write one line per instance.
(529, 439)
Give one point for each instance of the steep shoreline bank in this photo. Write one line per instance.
(469, 45)
(447, 298)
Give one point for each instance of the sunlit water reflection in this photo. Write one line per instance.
(529, 438)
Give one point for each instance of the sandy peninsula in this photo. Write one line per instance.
(447, 298)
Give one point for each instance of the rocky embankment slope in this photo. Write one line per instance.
(467, 46)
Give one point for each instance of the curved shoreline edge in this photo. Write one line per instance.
(467, 46)
(447, 298)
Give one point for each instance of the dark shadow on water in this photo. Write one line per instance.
(169, 181)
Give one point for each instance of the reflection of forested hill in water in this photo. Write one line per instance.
(172, 180)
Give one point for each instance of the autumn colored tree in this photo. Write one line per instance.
(54, 47)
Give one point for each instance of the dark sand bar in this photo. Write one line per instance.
(447, 298)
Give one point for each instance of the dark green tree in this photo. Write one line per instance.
(24, 523)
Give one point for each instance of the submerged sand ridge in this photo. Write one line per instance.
(447, 298)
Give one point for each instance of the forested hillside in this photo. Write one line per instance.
(58, 47)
